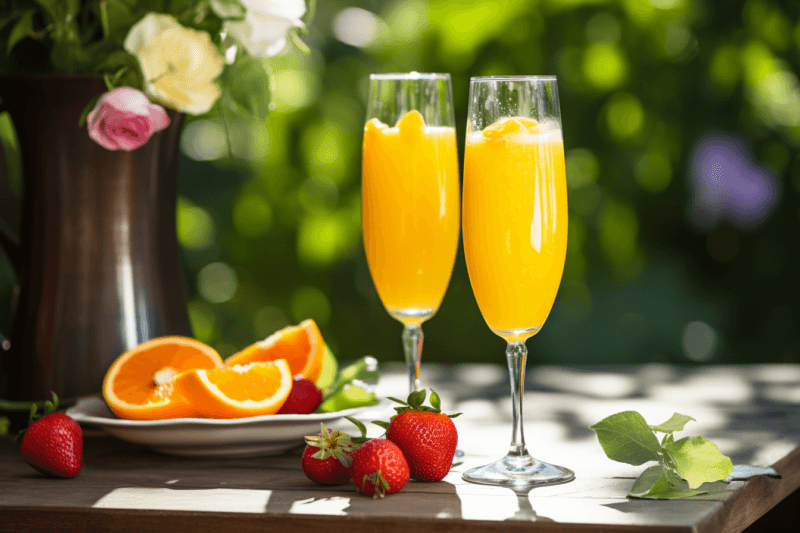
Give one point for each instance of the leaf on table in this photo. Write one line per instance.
(698, 460)
(675, 423)
(742, 472)
(626, 437)
(654, 484)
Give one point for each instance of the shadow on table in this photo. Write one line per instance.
(428, 501)
(526, 512)
(442, 503)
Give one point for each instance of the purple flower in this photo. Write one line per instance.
(728, 184)
(124, 119)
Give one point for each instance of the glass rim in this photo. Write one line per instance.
(523, 77)
(410, 76)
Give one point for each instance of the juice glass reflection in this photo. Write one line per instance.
(410, 199)
(515, 235)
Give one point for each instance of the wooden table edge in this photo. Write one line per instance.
(24, 519)
(755, 498)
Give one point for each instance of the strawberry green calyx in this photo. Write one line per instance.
(415, 401)
(379, 482)
(333, 444)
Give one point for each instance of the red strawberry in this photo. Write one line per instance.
(379, 468)
(304, 398)
(427, 437)
(53, 445)
(328, 457)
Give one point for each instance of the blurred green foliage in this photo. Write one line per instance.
(273, 236)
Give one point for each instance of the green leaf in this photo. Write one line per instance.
(5, 423)
(654, 484)
(626, 437)
(675, 423)
(249, 86)
(698, 460)
(417, 398)
(118, 18)
(122, 69)
(311, 8)
(365, 369)
(228, 9)
(23, 28)
(359, 424)
(645, 482)
(436, 402)
(381, 423)
(396, 400)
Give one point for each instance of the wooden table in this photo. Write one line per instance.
(750, 412)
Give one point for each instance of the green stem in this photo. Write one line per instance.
(104, 19)
(16, 406)
(222, 111)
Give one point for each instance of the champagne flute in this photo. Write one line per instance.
(410, 199)
(515, 236)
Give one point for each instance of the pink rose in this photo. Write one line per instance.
(124, 119)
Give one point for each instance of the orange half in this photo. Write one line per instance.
(236, 392)
(302, 347)
(139, 385)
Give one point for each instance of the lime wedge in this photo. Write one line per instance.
(330, 367)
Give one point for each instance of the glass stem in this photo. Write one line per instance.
(412, 345)
(517, 353)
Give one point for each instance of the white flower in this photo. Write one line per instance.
(265, 25)
(179, 64)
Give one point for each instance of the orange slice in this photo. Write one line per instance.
(236, 392)
(302, 347)
(139, 384)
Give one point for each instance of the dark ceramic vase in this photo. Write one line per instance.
(97, 255)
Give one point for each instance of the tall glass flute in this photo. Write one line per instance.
(410, 199)
(515, 236)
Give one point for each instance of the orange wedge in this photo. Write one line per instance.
(139, 384)
(236, 392)
(302, 347)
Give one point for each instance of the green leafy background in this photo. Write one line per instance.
(272, 236)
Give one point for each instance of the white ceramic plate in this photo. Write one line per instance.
(206, 437)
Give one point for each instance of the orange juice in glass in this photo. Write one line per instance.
(515, 222)
(410, 199)
(515, 236)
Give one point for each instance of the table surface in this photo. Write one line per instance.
(749, 411)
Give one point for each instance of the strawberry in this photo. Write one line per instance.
(426, 436)
(53, 445)
(379, 468)
(328, 457)
(304, 398)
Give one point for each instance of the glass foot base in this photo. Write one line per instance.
(519, 472)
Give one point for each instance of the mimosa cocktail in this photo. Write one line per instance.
(410, 213)
(410, 199)
(515, 236)
(515, 222)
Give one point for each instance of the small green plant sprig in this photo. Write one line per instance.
(686, 467)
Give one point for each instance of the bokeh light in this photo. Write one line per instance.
(217, 282)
